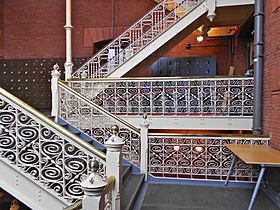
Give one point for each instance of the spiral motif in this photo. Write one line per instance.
(7, 142)
(213, 164)
(51, 148)
(47, 134)
(85, 111)
(28, 133)
(7, 118)
(213, 149)
(75, 165)
(52, 173)
(199, 163)
(28, 157)
(70, 149)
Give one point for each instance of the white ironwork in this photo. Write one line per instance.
(68, 65)
(97, 122)
(144, 146)
(22, 187)
(139, 35)
(196, 157)
(54, 89)
(31, 143)
(171, 96)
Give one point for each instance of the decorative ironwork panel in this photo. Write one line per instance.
(211, 96)
(97, 124)
(198, 158)
(35, 148)
(139, 35)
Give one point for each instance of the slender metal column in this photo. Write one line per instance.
(256, 188)
(230, 169)
(258, 66)
(68, 28)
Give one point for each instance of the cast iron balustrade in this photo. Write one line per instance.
(97, 122)
(228, 96)
(37, 146)
(199, 157)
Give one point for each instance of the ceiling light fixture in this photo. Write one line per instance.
(199, 38)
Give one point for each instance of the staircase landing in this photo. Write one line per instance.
(183, 197)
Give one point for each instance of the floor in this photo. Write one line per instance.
(182, 197)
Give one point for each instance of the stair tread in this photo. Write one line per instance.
(126, 170)
(130, 190)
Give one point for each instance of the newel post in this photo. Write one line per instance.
(144, 146)
(93, 187)
(114, 165)
(54, 88)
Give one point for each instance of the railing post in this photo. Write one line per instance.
(144, 146)
(93, 187)
(211, 4)
(54, 88)
(68, 28)
(114, 165)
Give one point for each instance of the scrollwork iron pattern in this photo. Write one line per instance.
(96, 124)
(211, 96)
(199, 158)
(154, 23)
(53, 161)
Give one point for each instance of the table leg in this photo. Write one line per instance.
(230, 169)
(256, 188)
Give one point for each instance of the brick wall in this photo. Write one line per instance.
(34, 28)
(219, 47)
(208, 47)
(271, 85)
(239, 57)
(1, 28)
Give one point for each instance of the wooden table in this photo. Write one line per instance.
(262, 155)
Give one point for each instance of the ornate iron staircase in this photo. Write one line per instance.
(154, 34)
(144, 32)
(43, 162)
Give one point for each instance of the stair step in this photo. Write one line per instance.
(126, 171)
(131, 190)
(82, 135)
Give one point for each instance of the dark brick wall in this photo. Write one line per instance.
(271, 85)
(29, 79)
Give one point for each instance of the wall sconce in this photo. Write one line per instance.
(189, 46)
(176, 148)
(199, 38)
(198, 149)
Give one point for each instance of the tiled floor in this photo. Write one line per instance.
(182, 197)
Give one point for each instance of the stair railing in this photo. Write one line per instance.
(95, 121)
(136, 37)
(204, 157)
(146, 38)
(101, 194)
(34, 145)
(171, 96)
